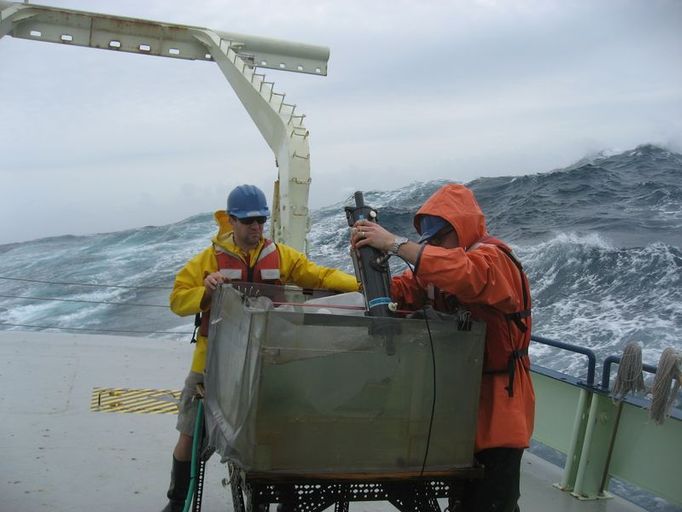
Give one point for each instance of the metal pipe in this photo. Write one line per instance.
(606, 372)
(585, 452)
(592, 358)
(573, 455)
(612, 442)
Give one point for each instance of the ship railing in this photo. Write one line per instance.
(591, 360)
(606, 372)
(602, 437)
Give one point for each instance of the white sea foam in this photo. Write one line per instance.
(593, 282)
(588, 293)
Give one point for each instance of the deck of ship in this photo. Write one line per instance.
(58, 455)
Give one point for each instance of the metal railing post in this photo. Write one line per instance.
(577, 438)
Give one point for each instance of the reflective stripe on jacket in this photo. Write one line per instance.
(234, 268)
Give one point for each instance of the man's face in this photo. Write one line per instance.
(248, 231)
(446, 238)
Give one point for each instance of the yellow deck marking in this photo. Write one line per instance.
(150, 401)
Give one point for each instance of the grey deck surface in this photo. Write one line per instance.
(59, 456)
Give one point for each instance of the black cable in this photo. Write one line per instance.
(388, 256)
(87, 284)
(433, 404)
(92, 329)
(409, 265)
(433, 365)
(385, 259)
(82, 300)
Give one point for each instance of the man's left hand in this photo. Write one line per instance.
(366, 233)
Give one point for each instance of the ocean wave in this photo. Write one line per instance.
(590, 293)
(600, 241)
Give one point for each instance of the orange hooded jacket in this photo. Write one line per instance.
(481, 278)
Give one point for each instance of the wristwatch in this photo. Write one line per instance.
(397, 242)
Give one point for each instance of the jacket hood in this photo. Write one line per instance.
(222, 219)
(457, 205)
(224, 238)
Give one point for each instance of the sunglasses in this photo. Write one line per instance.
(250, 220)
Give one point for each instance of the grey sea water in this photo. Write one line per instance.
(600, 240)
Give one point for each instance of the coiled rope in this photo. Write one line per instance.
(630, 377)
(666, 385)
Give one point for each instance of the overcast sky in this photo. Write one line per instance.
(94, 140)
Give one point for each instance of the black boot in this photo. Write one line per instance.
(179, 485)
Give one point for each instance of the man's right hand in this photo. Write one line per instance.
(212, 281)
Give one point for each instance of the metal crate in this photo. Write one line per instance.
(308, 391)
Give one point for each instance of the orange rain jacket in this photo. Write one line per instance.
(481, 278)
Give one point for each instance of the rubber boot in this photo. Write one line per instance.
(179, 485)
